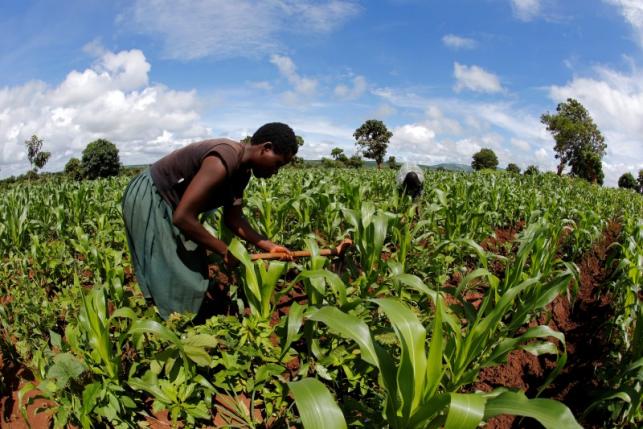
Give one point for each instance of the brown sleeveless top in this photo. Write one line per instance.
(173, 173)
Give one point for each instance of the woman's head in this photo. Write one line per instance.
(278, 146)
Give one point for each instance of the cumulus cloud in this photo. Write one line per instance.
(615, 102)
(458, 42)
(112, 99)
(351, 92)
(632, 11)
(223, 29)
(526, 10)
(302, 86)
(476, 79)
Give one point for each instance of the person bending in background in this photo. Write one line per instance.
(161, 208)
(410, 180)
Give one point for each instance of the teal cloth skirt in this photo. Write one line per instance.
(170, 269)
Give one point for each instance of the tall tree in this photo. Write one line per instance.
(513, 168)
(587, 165)
(574, 132)
(372, 139)
(627, 181)
(640, 180)
(338, 154)
(37, 158)
(485, 158)
(100, 159)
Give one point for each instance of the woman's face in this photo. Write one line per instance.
(269, 162)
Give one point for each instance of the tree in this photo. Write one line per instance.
(485, 158)
(298, 161)
(100, 159)
(338, 155)
(575, 133)
(587, 165)
(392, 163)
(372, 139)
(354, 161)
(246, 140)
(36, 157)
(513, 168)
(640, 180)
(531, 170)
(74, 169)
(627, 181)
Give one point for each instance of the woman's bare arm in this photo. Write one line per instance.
(194, 200)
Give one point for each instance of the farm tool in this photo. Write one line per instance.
(337, 251)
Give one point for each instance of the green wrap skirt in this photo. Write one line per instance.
(170, 269)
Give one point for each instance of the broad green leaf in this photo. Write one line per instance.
(466, 411)
(317, 408)
(550, 413)
(66, 367)
(348, 326)
(412, 365)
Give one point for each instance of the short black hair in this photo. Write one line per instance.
(282, 137)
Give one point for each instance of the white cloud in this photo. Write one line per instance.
(520, 144)
(350, 93)
(615, 102)
(302, 86)
(526, 10)
(475, 78)
(384, 110)
(267, 86)
(223, 29)
(458, 42)
(440, 123)
(632, 11)
(112, 99)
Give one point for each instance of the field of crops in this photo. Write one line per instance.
(497, 299)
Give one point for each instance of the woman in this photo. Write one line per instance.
(161, 207)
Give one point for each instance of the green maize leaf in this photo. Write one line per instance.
(333, 280)
(416, 283)
(152, 327)
(480, 272)
(412, 366)
(126, 312)
(295, 320)
(348, 326)
(434, 369)
(465, 411)
(317, 408)
(251, 283)
(549, 413)
(269, 279)
(483, 329)
(506, 345)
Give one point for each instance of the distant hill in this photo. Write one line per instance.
(450, 166)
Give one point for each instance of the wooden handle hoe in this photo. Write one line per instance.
(339, 250)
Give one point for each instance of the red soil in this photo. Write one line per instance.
(587, 343)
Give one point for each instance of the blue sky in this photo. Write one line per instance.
(447, 78)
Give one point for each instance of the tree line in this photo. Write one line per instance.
(579, 145)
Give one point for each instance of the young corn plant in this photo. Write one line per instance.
(259, 280)
(415, 383)
(368, 229)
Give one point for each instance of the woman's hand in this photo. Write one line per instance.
(276, 248)
(230, 261)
